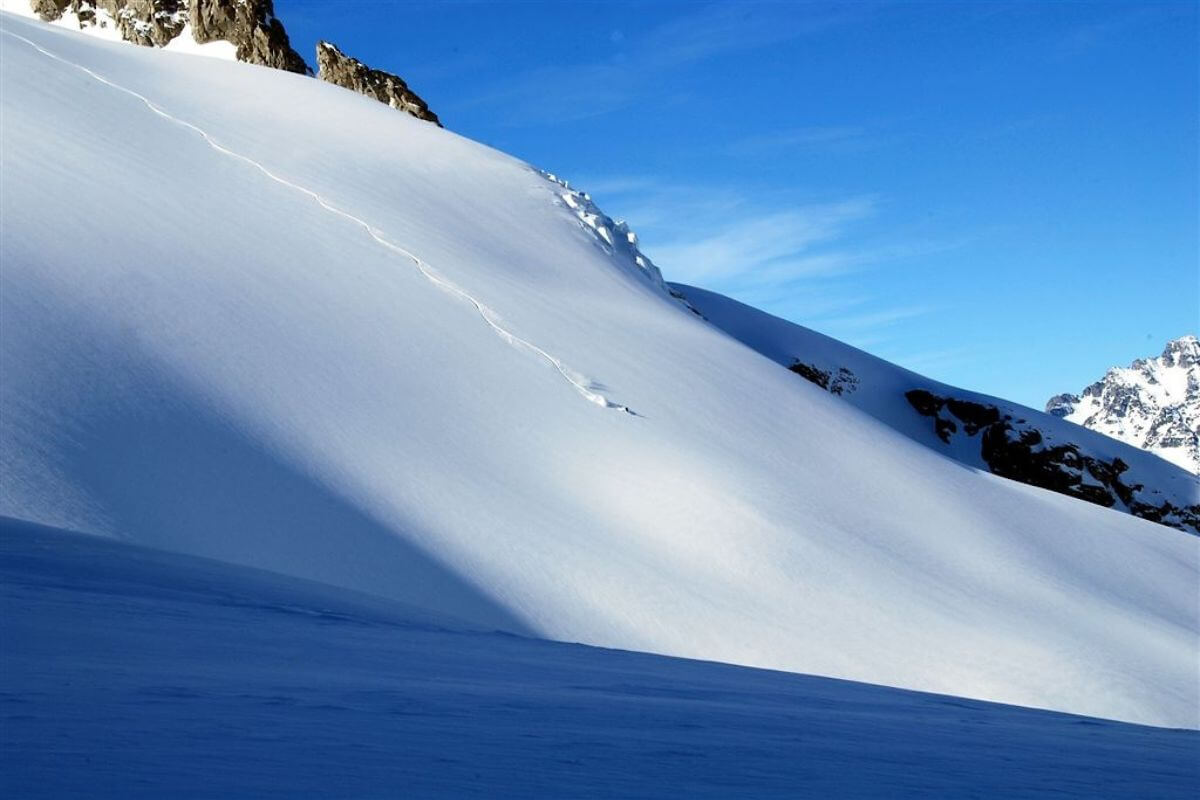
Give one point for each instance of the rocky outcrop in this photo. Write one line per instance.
(251, 26)
(152, 23)
(1154, 404)
(843, 381)
(340, 69)
(1014, 448)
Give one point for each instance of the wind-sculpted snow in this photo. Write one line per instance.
(236, 341)
(615, 236)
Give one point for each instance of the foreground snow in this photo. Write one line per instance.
(129, 672)
(250, 316)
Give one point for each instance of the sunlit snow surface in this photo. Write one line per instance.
(134, 673)
(251, 316)
(879, 386)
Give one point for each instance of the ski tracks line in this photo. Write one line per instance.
(430, 274)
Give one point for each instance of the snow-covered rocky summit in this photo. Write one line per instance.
(1154, 404)
(256, 36)
(242, 30)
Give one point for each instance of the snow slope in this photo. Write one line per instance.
(878, 388)
(134, 673)
(253, 317)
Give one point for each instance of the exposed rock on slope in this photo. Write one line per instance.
(338, 68)
(1014, 448)
(840, 382)
(984, 432)
(249, 25)
(1154, 404)
(152, 23)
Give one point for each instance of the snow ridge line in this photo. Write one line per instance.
(577, 382)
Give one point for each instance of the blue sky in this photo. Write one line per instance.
(1002, 196)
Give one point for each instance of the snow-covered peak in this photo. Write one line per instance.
(1154, 403)
(380, 358)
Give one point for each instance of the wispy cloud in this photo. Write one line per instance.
(878, 318)
(766, 248)
(802, 259)
(930, 362)
(590, 88)
(829, 139)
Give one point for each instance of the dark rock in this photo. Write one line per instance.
(251, 26)
(683, 299)
(1062, 404)
(152, 23)
(975, 416)
(812, 374)
(841, 382)
(1020, 452)
(926, 403)
(338, 68)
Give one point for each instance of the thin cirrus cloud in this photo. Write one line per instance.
(590, 88)
(827, 139)
(766, 248)
(802, 261)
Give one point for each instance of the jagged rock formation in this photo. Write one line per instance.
(337, 68)
(1016, 449)
(249, 25)
(152, 23)
(1154, 404)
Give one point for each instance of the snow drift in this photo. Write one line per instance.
(249, 316)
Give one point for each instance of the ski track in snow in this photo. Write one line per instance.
(581, 385)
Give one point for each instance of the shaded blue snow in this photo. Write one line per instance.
(128, 672)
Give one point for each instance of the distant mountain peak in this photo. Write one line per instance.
(1154, 404)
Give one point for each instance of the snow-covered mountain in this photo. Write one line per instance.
(978, 430)
(255, 317)
(1154, 404)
